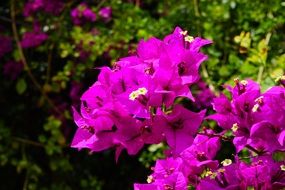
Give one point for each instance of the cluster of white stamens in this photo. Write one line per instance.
(187, 38)
(234, 127)
(259, 101)
(282, 167)
(135, 94)
(244, 82)
(226, 162)
(150, 179)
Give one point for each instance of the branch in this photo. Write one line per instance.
(27, 141)
(262, 67)
(253, 150)
(24, 61)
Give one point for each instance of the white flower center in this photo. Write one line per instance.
(150, 179)
(226, 162)
(244, 82)
(255, 107)
(135, 94)
(189, 38)
(234, 127)
(184, 33)
(282, 167)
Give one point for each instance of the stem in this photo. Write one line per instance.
(5, 19)
(138, 3)
(27, 141)
(26, 182)
(25, 185)
(253, 149)
(24, 61)
(216, 135)
(260, 73)
(261, 68)
(49, 61)
(267, 39)
(208, 80)
(197, 14)
(100, 4)
(196, 7)
(204, 69)
(33, 143)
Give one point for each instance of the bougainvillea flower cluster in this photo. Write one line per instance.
(49, 6)
(203, 95)
(33, 38)
(256, 121)
(82, 14)
(184, 169)
(133, 103)
(140, 101)
(105, 13)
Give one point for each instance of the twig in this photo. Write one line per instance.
(5, 19)
(100, 4)
(26, 182)
(204, 69)
(221, 136)
(196, 7)
(260, 73)
(27, 141)
(262, 67)
(51, 47)
(137, 3)
(49, 61)
(24, 61)
(253, 149)
(206, 76)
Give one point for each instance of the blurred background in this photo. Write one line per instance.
(49, 52)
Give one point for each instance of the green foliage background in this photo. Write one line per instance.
(36, 126)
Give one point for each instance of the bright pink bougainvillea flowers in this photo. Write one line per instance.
(82, 14)
(140, 101)
(133, 103)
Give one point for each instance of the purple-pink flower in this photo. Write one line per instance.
(181, 125)
(262, 173)
(133, 103)
(48, 6)
(33, 38)
(5, 45)
(82, 14)
(105, 13)
(256, 119)
(204, 96)
(167, 175)
(12, 69)
(140, 101)
(186, 168)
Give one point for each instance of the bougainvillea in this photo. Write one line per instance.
(82, 14)
(139, 101)
(256, 123)
(52, 50)
(133, 103)
(106, 13)
(33, 38)
(48, 6)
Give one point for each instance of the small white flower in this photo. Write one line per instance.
(234, 127)
(226, 162)
(135, 94)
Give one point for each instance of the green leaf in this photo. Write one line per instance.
(21, 86)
